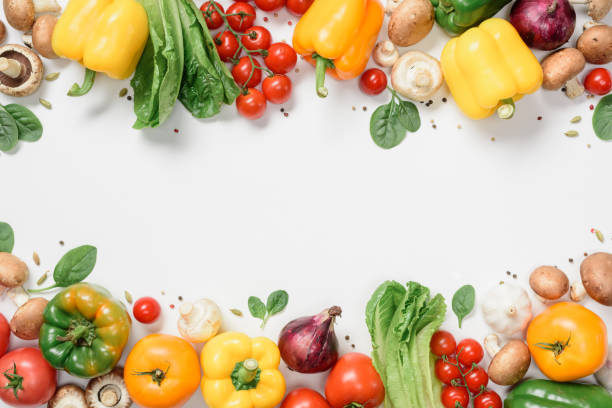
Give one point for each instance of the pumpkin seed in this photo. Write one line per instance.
(576, 119)
(236, 312)
(599, 235)
(45, 103)
(123, 92)
(128, 297)
(36, 258)
(52, 76)
(571, 133)
(42, 278)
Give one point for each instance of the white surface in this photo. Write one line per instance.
(228, 208)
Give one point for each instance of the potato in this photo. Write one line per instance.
(410, 22)
(596, 274)
(28, 319)
(596, 44)
(561, 66)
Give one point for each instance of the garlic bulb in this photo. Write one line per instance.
(507, 309)
(199, 321)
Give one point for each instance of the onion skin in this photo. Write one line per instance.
(308, 344)
(543, 24)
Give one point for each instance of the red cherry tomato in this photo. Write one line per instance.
(476, 379)
(354, 380)
(243, 16)
(598, 81)
(211, 15)
(373, 81)
(469, 352)
(298, 7)
(277, 88)
(488, 399)
(443, 343)
(281, 58)
(227, 45)
(447, 371)
(455, 397)
(257, 38)
(242, 72)
(38, 378)
(270, 5)
(304, 398)
(252, 105)
(5, 334)
(146, 310)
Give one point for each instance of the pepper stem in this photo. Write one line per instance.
(506, 109)
(246, 374)
(88, 81)
(321, 67)
(81, 332)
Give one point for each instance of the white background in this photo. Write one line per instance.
(228, 208)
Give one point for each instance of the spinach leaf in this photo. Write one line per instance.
(408, 116)
(602, 118)
(29, 128)
(73, 267)
(7, 237)
(463, 302)
(389, 123)
(8, 131)
(257, 307)
(277, 301)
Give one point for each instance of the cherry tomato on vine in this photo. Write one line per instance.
(488, 399)
(227, 45)
(354, 382)
(256, 38)
(598, 81)
(304, 398)
(476, 379)
(298, 7)
(146, 310)
(443, 343)
(469, 352)
(252, 105)
(373, 81)
(242, 16)
(5, 334)
(242, 72)
(447, 371)
(455, 397)
(281, 58)
(211, 15)
(270, 5)
(27, 378)
(277, 88)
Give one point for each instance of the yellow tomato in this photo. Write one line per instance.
(568, 341)
(162, 371)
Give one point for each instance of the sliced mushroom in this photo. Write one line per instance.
(597, 9)
(21, 70)
(41, 35)
(416, 76)
(385, 54)
(509, 363)
(549, 283)
(561, 68)
(20, 14)
(108, 391)
(68, 396)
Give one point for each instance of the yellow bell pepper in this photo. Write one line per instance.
(489, 67)
(338, 36)
(106, 36)
(240, 372)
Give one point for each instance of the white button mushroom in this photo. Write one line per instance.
(199, 321)
(21, 70)
(20, 14)
(68, 396)
(417, 76)
(507, 309)
(385, 54)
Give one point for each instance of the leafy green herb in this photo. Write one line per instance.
(74, 267)
(29, 128)
(9, 135)
(602, 118)
(7, 237)
(257, 307)
(463, 302)
(389, 123)
(276, 303)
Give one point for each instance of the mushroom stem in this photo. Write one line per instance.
(10, 67)
(109, 395)
(577, 291)
(491, 344)
(46, 6)
(579, 1)
(573, 88)
(423, 80)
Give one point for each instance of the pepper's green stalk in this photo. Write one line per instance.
(88, 81)
(245, 375)
(321, 68)
(506, 109)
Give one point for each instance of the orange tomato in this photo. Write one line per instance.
(567, 341)
(162, 371)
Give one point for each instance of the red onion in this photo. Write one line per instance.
(309, 344)
(543, 24)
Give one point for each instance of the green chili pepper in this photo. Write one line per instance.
(456, 16)
(550, 394)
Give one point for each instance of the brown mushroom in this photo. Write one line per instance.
(417, 76)
(28, 319)
(108, 391)
(509, 363)
(42, 32)
(561, 68)
(548, 282)
(68, 396)
(595, 44)
(410, 22)
(597, 9)
(20, 14)
(21, 70)
(596, 274)
(13, 271)
(2, 32)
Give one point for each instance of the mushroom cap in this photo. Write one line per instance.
(28, 319)
(598, 9)
(68, 396)
(561, 66)
(108, 391)
(31, 74)
(596, 274)
(19, 13)
(416, 75)
(13, 271)
(549, 282)
(596, 44)
(510, 364)
(2, 32)
(385, 53)
(41, 35)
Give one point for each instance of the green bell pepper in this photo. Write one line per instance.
(85, 330)
(550, 394)
(456, 16)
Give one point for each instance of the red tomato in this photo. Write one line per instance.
(243, 16)
(447, 371)
(488, 399)
(252, 105)
(598, 81)
(281, 58)
(373, 81)
(469, 352)
(476, 380)
(270, 5)
(146, 310)
(5, 334)
(257, 38)
(298, 7)
(211, 15)
(277, 88)
(455, 397)
(227, 45)
(242, 72)
(304, 398)
(443, 343)
(27, 378)
(354, 380)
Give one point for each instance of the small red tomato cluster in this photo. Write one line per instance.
(242, 43)
(458, 369)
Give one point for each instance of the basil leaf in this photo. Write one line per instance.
(463, 302)
(385, 128)
(7, 237)
(277, 301)
(29, 128)
(408, 116)
(257, 307)
(8, 131)
(602, 118)
(75, 265)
